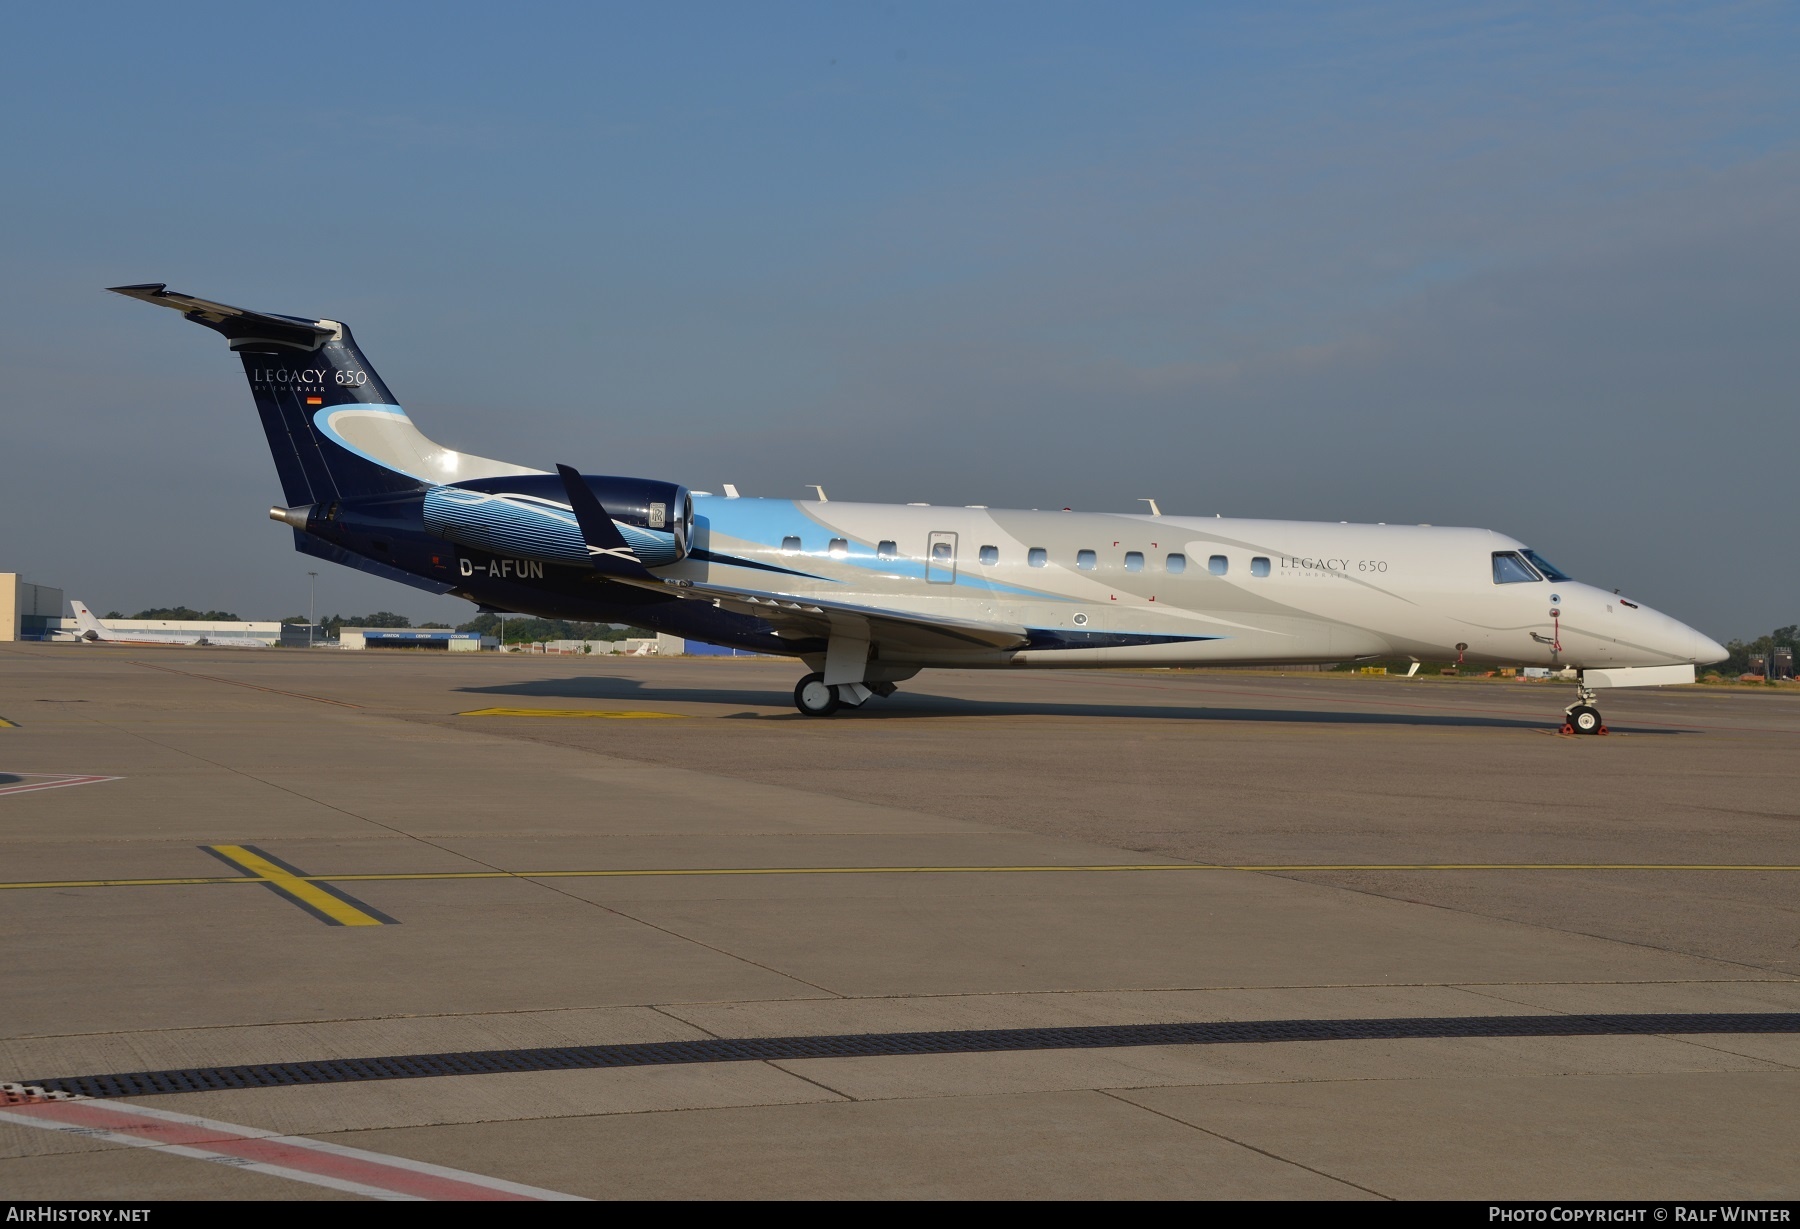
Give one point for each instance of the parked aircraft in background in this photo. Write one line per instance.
(867, 595)
(88, 627)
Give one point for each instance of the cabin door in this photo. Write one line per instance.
(940, 558)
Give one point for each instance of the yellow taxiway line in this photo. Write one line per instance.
(297, 884)
(327, 904)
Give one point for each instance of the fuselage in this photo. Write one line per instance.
(1132, 589)
(215, 640)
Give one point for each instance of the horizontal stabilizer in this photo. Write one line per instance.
(237, 324)
(606, 546)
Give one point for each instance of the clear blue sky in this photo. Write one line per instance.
(1532, 267)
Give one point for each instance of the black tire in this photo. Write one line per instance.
(1585, 719)
(813, 698)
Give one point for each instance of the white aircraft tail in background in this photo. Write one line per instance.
(89, 628)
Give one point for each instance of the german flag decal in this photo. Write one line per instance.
(315, 401)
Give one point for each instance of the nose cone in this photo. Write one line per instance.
(1707, 650)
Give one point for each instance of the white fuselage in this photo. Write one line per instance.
(1235, 591)
(91, 630)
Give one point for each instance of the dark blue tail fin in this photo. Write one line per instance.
(334, 429)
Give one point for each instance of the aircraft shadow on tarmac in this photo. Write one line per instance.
(8, 778)
(907, 704)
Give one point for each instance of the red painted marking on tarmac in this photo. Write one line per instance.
(287, 1156)
(48, 781)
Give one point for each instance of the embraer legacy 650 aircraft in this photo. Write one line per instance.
(867, 595)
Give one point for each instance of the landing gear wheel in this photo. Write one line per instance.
(1585, 719)
(813, 698)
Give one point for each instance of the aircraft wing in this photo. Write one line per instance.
(793, 618)
(804, 617)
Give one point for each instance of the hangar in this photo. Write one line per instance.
(28, 611)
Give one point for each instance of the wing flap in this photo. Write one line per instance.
(804, 617)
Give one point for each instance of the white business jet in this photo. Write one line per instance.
(867, 595)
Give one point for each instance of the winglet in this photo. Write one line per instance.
(607, 548)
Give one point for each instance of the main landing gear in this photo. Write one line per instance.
(813, 698)
(1582, 717)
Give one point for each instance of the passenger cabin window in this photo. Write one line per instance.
(887, 549)
(1218, 565)
(1509, 569)
(941, 552)
(1177, 564)
(790, 545)
(839, 548)
(1550, 570)
(1134, 561)
(990, 555)
(1086, 560)
(1037, 557)
(1259, 566)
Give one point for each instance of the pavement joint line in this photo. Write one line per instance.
(285, 875)
(1119, 1096)
(324, 902)
(213, 678)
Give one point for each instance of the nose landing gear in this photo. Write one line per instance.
(1582, 717)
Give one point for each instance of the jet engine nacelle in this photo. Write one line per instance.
(528, 516)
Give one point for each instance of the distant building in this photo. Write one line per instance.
(699, 648)
(28, 611)
(413, 638)
(661, 645)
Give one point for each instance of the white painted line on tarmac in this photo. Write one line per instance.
(313, 1161)
(29, 781)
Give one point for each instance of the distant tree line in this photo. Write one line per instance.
(1739, 662)
(182, 613)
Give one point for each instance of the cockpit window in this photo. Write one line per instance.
(1550, 570)
(1509, 569)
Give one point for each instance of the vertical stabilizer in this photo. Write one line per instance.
(333, 427)
(86, 625)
